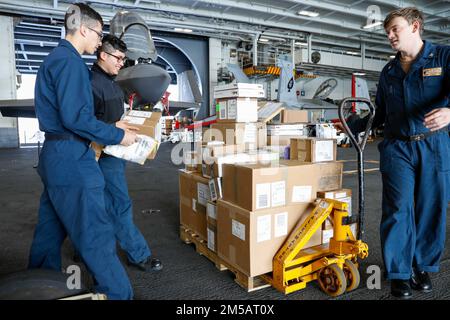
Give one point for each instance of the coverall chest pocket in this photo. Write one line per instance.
(432, 87)
(442, 153)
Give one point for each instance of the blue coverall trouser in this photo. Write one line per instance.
(72, 204)
(415, 178)
(118, 205)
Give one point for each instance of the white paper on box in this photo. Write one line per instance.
(211, 242)
(134, 120)
(262, 195)
(137, 152)
(238, 229)
(327, 235)
(203, 194)
(212, 190)
(354, 228)
(301, 194)
(223, 109)
(263, 228)
(281, 224)
(194, 205)
(142, 114)
(324, 150)
(250, 133)
(232, 109)
(340, 195)
(278, 193)
(348, 201)
(211, 211)
(329, 195)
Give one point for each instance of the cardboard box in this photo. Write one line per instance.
(148, 124)
(344, 195)
(234, 90)
(249, 240)
(294, 116)
(254, 135)
(215, 164)
(290, 129)
(260, 186)
(238, 110)
(313, 150)
(194, 197)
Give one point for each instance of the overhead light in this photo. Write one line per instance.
(311, 14)
(372, 25)
(301, 43)
(263, 40)
(359, 74)
(352, 53)
(183, 30)
(392, 57)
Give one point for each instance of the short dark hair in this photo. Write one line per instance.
(410, 14)
(78, 14)
(111, 43)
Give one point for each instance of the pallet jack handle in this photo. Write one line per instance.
(359, 146)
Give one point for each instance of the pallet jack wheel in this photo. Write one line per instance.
(351, 275)
(332, 280)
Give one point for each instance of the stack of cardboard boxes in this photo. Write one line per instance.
(241, 197)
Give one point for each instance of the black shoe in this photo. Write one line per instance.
(149, 264)
(401, 289)
(420, 280)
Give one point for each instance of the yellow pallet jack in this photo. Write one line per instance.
(333, 265)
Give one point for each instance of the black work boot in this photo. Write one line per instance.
(420, 280)
(401, 289)
(149, 264)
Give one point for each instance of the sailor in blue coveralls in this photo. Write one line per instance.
(413, 101)
(109, 107)
(72, 202)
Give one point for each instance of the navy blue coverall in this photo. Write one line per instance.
(108, 105)
(72, 203)
(415, 174)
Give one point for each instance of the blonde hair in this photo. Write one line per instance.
(410, 14)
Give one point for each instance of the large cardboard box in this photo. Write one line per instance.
(214, 165)
(194, 197)
(253, 134)
(249, 240)
(148, 124)
(234, 90)
(238, 110)
(294, 116)
(313, 150)
(261, 186)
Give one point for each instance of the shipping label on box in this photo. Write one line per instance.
(263, 195)
(281, 224)
(203, 194)
(278, 190)
(211, 238)
(223, 109)
(302, 194)
(238, 229)
(263, 228)
(211, 210)
(324, 150)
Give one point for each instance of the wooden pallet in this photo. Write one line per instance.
(250, 284)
